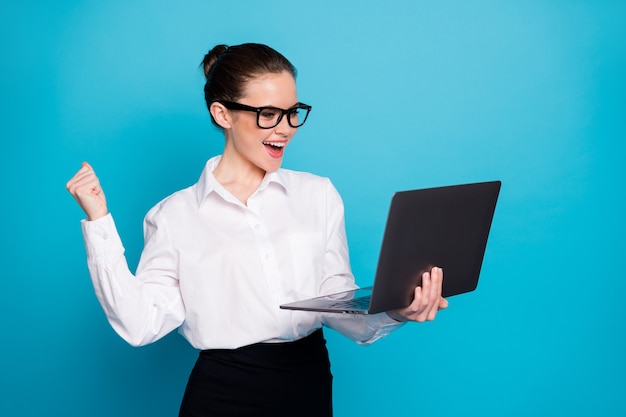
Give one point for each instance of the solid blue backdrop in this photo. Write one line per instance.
(405, 94)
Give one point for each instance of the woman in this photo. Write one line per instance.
(222, 255)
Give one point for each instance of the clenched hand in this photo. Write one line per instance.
(86, 190)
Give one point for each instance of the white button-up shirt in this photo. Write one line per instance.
(218, 269)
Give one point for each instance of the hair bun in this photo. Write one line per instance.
(211, 57)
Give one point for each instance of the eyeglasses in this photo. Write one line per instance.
(269, 117)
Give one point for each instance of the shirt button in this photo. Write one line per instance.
(267, 256)
(105, 236)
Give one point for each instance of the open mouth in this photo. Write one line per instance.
(275, 149)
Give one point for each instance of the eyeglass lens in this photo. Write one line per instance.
(269, 117)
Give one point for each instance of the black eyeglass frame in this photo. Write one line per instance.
(231, 105)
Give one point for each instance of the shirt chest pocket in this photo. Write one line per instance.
(306, 260)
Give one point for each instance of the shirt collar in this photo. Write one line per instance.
(208, 184)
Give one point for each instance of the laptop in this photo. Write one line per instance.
(444, 226)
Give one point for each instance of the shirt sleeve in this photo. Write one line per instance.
(141, 308)
(363, 329)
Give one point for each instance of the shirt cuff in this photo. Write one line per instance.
(382, 320)
(101, 236)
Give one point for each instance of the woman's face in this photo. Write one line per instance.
(249, 144)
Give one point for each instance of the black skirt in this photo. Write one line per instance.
(265, 379)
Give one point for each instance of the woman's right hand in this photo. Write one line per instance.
(86, 190)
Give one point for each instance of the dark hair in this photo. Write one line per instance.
(227, 69)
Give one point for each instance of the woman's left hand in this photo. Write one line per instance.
(427, 299)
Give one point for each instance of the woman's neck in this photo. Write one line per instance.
(240, 177)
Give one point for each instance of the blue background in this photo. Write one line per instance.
(405, 94)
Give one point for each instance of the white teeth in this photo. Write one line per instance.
(277, 144)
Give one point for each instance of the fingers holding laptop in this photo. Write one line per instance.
(427, 300)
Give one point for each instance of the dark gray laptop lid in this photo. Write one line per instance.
(446, 227)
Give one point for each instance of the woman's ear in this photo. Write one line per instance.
(220, 114)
